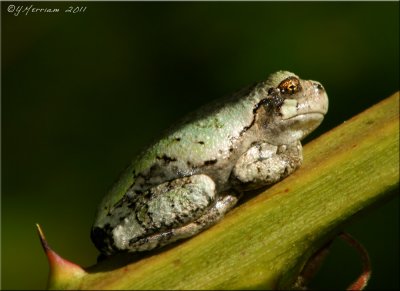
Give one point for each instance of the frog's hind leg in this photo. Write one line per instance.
(158, 210)
(215, 214)
(212, 216)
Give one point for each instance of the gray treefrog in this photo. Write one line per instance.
(196, 172)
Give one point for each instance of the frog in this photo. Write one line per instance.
(197, 171)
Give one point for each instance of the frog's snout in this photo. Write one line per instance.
(316, 100)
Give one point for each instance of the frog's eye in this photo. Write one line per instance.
(290, 86)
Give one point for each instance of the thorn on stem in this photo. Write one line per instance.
(61, 270)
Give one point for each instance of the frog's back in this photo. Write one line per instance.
(205, 137)
(205, 141)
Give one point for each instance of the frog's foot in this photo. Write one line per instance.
(265, 164)
(209, 218)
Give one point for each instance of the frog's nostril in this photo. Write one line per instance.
(318, 86)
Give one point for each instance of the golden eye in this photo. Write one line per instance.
(290, 86)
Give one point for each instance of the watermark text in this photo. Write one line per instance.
(18, 10)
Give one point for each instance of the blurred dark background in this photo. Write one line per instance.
(83, 93)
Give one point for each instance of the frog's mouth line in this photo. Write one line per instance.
(308, 115)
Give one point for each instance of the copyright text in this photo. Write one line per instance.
(17, 10)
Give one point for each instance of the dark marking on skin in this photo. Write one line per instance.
(177, 139)
(156, 170)
(243, 131)
(139, 241)
(119, 203)
(167, 235)
(132, 205)
(170, 187)
(209, 201)
(201, 142)
(102, 238)
(197, 222)
(138, 192)
(166, 158)
(250, 125)
(185, 214)
(136, 212)
(181, 220)
(150, 215)
(286, 171)
(276, 101)
(210, 162)
(271, 90)
(261, 102)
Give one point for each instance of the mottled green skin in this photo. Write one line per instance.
(189, 178)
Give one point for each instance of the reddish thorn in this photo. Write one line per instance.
(60, 268)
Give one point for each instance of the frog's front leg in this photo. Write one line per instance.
(265, 164)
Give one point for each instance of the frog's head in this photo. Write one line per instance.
(294, 107)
